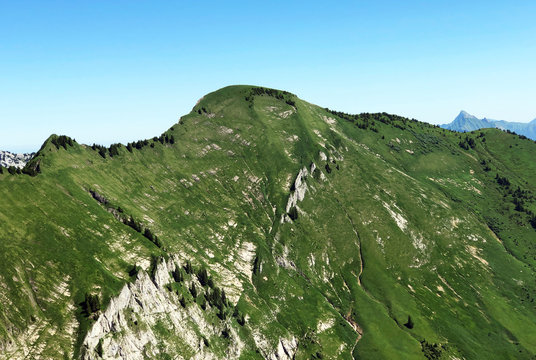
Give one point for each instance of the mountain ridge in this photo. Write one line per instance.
(465, 122)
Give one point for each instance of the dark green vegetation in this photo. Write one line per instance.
(411, 241)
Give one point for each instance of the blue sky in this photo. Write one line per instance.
(117, 71)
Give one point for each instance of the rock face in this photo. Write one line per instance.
(300, 187)
(147, 319)
(286, 349)
(19, 161)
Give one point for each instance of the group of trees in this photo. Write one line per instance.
(138, 145)
(165, 139)
(467, 142)
(102, 150)
(432, 351)
(28, 170)
(32, 168)
(202, 110)
(532, 222)
(522, 137)
(146, 232)
(119, 214)
(188, 267)
(113, 150)
(177, 275)
(208, 294)
(366, 121)
(62, 141)
(522, 194)
(202, 277)
(502, 180)
(91, 304)
(12, 170)
(277, 94)
(485, 165)
(519, 197)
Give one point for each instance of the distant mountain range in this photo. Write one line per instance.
(8, 159)
(467, 122)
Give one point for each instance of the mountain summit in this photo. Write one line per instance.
(465, 115)
(261, 226)
(465, 122)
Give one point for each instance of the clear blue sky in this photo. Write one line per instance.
(110, 71)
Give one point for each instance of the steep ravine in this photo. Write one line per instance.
(298, 192)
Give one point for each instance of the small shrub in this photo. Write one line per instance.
(134, 270)
(193, 291)
(410, 323)
(202, 276)
(293, 213)
(91, 304)
(177, 275)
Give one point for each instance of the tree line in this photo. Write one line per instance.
(208, 295)
(128, 220)
(113, 150)
(282, 95)
(31, 169)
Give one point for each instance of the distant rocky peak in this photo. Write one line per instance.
(467, 122)
(19, 161)
(465, 115)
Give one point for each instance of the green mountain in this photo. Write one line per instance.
(263, 226)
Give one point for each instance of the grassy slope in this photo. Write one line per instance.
(463, 286)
